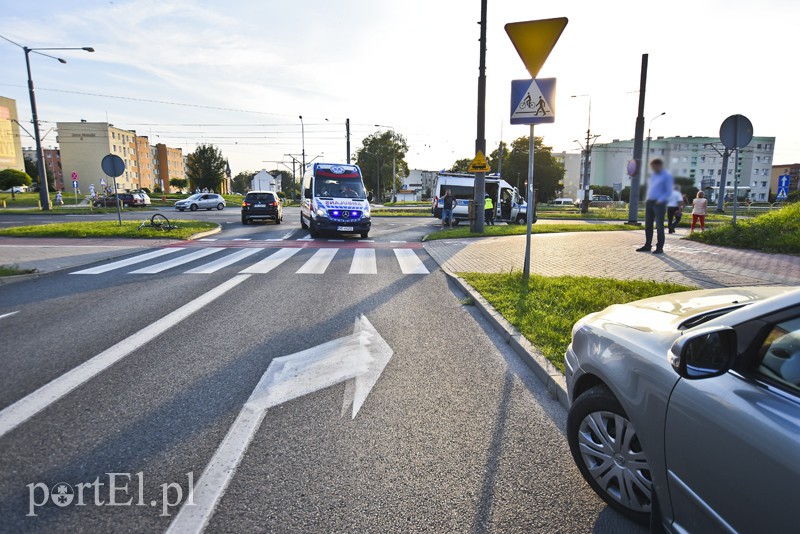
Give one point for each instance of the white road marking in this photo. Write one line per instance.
(335, 240)
(130, 261)
(410, 262)
(306, 238)
(9, 314)
(271, 262)
(28, 406)
(358, 360)
(208, 239)
(241, 239)
(287, 235)
(319, 262)
(220, 263)
(175, 262)
(398, 241)
(366, 240)
(364, 261)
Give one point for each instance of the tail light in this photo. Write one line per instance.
(245, 204)
(275, 204)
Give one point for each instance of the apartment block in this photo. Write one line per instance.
(170, 164)
(791, 169)
(52, 161)
(10, 144)
(84, 145)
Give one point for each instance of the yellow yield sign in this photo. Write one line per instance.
(479, 164)
(535, 39)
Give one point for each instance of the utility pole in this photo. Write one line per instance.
(633, 205)
(44, 195)
(480, 141)
(587, 165)
(723, 181)
(347, 130)
(303, 131)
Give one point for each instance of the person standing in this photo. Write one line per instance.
(59, 198)
(699, 211)
(448, 205)
(488, 210)
(659, 189)
(674, 208)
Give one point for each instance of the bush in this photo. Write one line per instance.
(793, 197)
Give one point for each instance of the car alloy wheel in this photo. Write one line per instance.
(193, 207)
(220, 206)
(605, 446)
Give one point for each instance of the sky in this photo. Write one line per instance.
(239, 73)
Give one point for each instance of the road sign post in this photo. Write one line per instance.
(75, 186)
(113, 166)
(736, 132)
(783, 187)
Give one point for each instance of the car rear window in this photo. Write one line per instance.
(260, 197)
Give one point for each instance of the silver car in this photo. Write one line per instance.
(204, 201)
(685, 409)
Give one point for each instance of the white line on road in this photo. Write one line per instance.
(130, 261)
(398, 241)
(208, 239)
(319, 262)
(366, 240)
(8, 314)
(241, 239)
(410, 262)
(335, 240)
(271, 262)
(364, 262)
(306, 238)
(33, 403)
(287, 235)
(230, 259)
(175, 262)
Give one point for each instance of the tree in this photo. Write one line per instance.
(32, 169)
(548, 173)
(494, 159)
(206, 167)
(12, 178)
(625, 195)
(461, 165)
(793, 197)
(241, 182)
(287, 181)
(604, 190)
(375, 159)
(179, 183)
(686, 186)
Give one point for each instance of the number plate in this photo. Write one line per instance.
(260, 205)
(344, 228)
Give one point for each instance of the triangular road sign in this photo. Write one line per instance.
(479, 164)
(535, 39)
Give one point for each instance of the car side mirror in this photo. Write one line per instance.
(308, 193)
(706, 353)
(369, 197)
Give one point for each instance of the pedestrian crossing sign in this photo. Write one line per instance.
(479, 164)
(533, 101)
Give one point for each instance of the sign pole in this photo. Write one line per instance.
(526, 271)
(723, 183)
(735, 182)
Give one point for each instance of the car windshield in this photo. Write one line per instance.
(339, 187)
(194, 197)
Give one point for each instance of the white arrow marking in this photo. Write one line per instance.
(357, 359)
(8, 314)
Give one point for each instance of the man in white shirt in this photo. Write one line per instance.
(674, 206)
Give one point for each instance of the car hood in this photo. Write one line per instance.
(669, 312)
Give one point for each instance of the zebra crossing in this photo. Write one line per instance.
(303, 261)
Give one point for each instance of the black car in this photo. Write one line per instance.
(262, 205)
(127, 200)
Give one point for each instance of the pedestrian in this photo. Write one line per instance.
(674, 208)
(659, 189)
(448, 205)
(699, 210)
(59, 198)
(488, 210)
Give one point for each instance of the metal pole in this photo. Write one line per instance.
(723, 182)
(480, 140)
(347, 130)
(633, 205)
(116, 198)
(44, 194)
(587, 163)
(736, 175)
(303, 132)
(526, 271)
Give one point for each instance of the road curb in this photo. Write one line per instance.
(207, 233)
(19, 278)
(546, 372)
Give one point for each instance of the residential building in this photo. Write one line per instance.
(792, 169)
(170, 164)
(10, 143)
(52, 161)
(84, 145)
(264, 181)
(420, 181)
(573, 165)
(146, 165)
(692, 157)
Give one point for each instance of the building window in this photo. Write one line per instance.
(763, 184)
(758, 146)
(755, 171)
(766, 159)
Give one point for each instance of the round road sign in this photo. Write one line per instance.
(632, 167)
(736, 132)
(113, 165)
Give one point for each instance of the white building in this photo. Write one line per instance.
(264, 181)
(572, 173)
(420, 181)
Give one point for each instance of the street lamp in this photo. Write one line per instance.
(647, 151)
(44, 196)
(394, 157)
(303, 130)
(587, 153)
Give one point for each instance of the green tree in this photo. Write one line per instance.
(375, 159)
(11, 178)
(461, 165)
(793, 197)
(32, 169)
(179, 183)
(548, 172)
(241, 182)
(604, 190)
(287, 181)
(206, 167)
(687, 186)
(625, 195)
(494, 159)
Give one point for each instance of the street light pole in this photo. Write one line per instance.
(44, 196)
(587, 154)
(303, 130)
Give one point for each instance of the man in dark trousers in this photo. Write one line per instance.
(659, 189)
(448, 205)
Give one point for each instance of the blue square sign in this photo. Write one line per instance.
(533, 101)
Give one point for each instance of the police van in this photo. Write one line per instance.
(335, 200)
(508, 203)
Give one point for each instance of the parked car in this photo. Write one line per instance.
(207, 201)
(262, 205)
(127, 200)
(563, 202)
(144, 196)
(685, 408)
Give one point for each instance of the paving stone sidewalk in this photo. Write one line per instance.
(613, 255)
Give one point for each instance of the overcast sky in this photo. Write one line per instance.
(409, 64)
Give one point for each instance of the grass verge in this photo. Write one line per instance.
(400, 213)
(545, 309)
(776, 231)
(108, 229)
(13, 270)
(519, 229)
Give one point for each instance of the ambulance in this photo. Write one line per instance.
(335, 200)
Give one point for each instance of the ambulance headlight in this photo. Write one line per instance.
(321, 212)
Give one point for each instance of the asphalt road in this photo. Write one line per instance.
(455, 436)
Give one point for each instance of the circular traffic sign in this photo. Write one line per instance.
(632, 166)
(736, 132)
(74, 175)
(113, 165)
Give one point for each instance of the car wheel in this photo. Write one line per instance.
(220, 206)
(455, 222)
(193, 207)
(277, 220)
(244, 220)
(364, 235)
(605, 446)
(521, 219)
(180, 209)
(313, 231)
(303, 224)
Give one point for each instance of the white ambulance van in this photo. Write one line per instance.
(335, 200)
